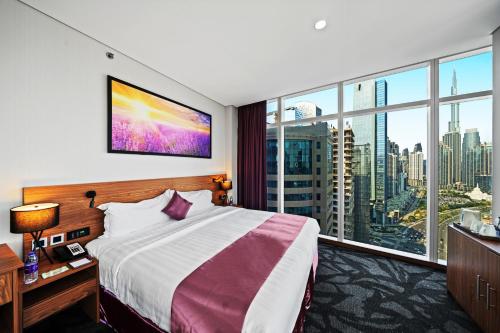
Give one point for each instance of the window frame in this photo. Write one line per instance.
(432, 103)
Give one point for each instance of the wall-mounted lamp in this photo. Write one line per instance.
(91, 195)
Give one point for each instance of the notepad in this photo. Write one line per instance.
(55, 272)
(78, 263)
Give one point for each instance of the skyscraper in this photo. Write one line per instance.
(357, 227)
(445, 164)
(363, 164)
(381, 185)
(470, 157)
(305, 110)
(416, 169)
(483, 179)
(454, 124)
(348, 182)
(453, 137)
(370, 157)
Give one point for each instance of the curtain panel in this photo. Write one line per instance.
(252, 185)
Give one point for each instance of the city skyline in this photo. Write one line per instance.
(413, 85)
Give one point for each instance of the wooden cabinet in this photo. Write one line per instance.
(45, 297)
(473, 277)
(9, 302)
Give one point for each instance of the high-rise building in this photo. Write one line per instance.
(357, 227)
(371, 133)
(310, 169)
(452, 140)
(470, 157)
(416, 168)
(454, 124)
(364, 97)
(348, 174)
(392, 175)
(445, 164)
(304, 110)
(453, 137)
(485, 166)
(381, 185)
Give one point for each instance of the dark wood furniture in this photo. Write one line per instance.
(47, 296)
(74, 205)
(9, 302)
(473, 277)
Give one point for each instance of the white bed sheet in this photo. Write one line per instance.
(143, 269)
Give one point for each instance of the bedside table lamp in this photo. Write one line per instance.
(225, 185)
(34, 219)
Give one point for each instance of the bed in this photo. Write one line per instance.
(145, 275)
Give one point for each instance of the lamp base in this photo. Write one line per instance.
(36, 237)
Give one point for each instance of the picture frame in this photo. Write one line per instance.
(143, 122)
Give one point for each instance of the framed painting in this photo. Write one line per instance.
(143, 122)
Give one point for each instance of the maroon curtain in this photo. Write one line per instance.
(252, 187)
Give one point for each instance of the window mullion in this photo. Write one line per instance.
(281, 168)
(340, 166)
(433, 165)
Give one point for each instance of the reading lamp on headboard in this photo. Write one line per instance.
(34, 219)
(91, 195)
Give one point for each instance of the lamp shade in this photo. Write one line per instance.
(226, 185)
(36, 217)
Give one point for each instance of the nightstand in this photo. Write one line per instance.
(9, 264)
(45, 297)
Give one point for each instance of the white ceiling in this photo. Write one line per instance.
(241, 51)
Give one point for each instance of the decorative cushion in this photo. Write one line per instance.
(178, 207)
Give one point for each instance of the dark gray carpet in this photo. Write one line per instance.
(358, 292)
(354, 292)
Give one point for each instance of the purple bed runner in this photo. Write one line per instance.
(216, 296)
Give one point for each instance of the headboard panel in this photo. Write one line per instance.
(74, 206)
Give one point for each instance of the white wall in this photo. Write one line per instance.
(496, 123)
(53, 112)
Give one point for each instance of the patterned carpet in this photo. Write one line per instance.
(358, 292)
(354, 292)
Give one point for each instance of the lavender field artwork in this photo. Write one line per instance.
(142, 122)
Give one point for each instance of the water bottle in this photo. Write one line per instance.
(31, 268)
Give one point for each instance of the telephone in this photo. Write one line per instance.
(68, 252)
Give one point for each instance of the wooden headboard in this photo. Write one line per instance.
(74, 205)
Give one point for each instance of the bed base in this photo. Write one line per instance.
(124, 319)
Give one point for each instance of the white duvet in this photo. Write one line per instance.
(143, 269)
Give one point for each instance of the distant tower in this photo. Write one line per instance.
(381, 181)
(453, 137)
(454, 124)
(471, 149)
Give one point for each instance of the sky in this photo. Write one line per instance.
(408, 127)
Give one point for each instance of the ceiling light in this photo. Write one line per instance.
(320, 25)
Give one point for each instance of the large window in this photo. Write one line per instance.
(403, 87)
(321, 102)
(465, 163)
(404, 175)
(385, 180)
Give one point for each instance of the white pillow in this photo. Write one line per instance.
(122, 218)
(201, 200)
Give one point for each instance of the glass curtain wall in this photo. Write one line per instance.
(465, 141)
(386, 124)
